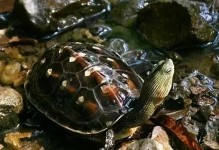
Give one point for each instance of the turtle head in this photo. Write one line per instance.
(155, 88)
(160, 81)
(163, 70)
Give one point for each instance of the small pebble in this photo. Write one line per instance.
(11, 104)
(10, 73)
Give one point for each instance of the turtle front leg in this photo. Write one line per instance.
(110, 140)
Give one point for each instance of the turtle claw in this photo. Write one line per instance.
(110, 140)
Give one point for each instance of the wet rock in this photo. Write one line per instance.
(161, 137)
(23, 139)
(52, 17)
(14, 53)
(29, 138)
(174, 23)
(211, 139)
(11, 74)
(93, 33)
(125, 12)
(157, 139)
(78, 34)
(15, 62)
(140, 144)
(208, 11)
(100, 30)
(199, 88)
(201, 119)
(13, 140)
(84, 35)
(11, 104)
(155, 143)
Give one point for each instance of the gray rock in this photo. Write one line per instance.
(49, 18)
(11, 104)
(174, 23)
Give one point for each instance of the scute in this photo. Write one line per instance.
(82, 87)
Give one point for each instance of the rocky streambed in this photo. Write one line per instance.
(142, 32)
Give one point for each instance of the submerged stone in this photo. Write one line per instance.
(46, 18)
(174, 23)
(118, 45)
(125, 12)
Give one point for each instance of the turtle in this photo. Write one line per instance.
(91, 91)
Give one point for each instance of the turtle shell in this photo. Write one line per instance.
(82, 87)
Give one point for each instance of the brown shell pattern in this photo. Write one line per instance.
(82, 87)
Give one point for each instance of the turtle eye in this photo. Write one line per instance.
(168, 70)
